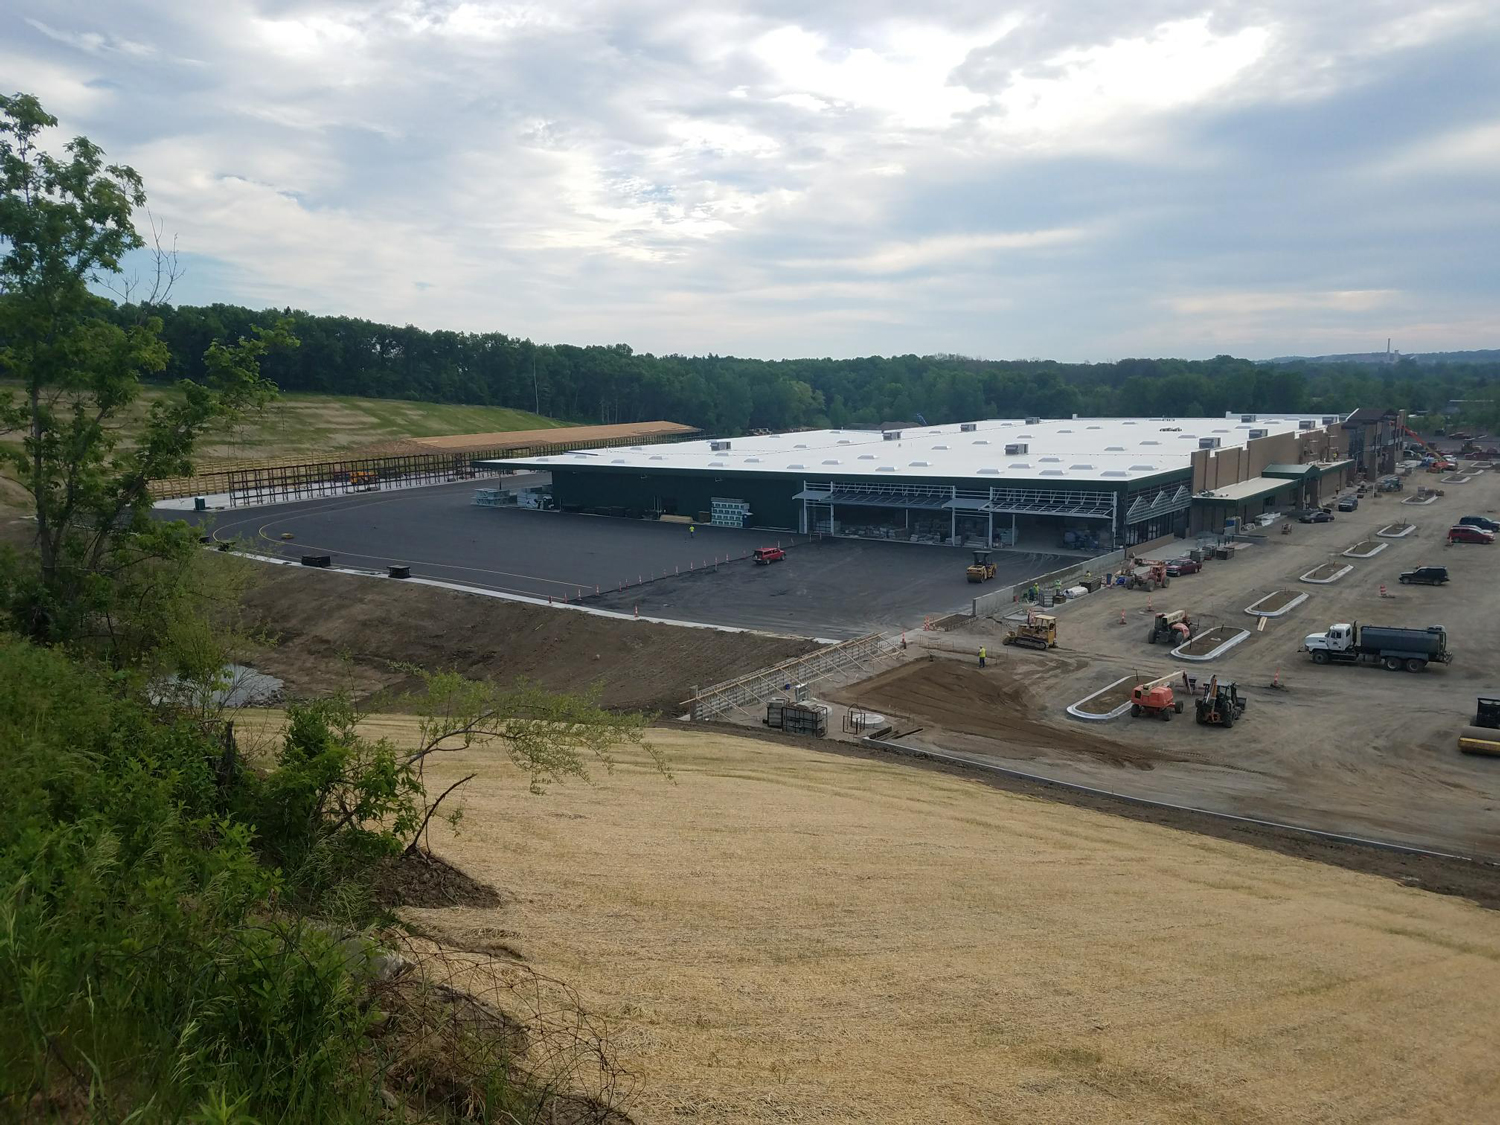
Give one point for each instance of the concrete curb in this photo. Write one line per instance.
(1213, 653)
(1352, 554)
(1455, 480)
(1291, 605)
(484, 592)
(1423, 500)
(1091, 718)
(1334, 577)
(1386, 532)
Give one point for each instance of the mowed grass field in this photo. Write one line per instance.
(782, 935)
(312, 426)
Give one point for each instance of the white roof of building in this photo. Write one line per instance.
(1103, 449)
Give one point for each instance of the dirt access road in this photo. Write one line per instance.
(782, 935)
(1346, 749)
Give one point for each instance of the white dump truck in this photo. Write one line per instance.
(1412, 649)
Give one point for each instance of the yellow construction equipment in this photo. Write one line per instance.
(1483, 736)
(1039, 630)
(982, 570)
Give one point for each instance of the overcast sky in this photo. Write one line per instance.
(1081, 180)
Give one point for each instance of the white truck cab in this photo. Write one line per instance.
(1338, 638)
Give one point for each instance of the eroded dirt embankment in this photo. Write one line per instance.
(318, 619)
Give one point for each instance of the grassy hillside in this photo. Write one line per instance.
(297, 424)
(309, 427)
(783, 934)
(313, 425)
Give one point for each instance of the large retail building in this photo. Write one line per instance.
(1084, 482)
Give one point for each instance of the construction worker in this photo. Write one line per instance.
(692, 530)
(981, 656)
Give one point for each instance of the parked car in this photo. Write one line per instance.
(1467, 533)
(1176, 568)
(1481, 521)
(1348, 503)
(1315, 517)
(764, 556)
(1424, 576)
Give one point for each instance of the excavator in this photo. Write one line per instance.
(1039, 630)
(982, 570)
(1221, 705)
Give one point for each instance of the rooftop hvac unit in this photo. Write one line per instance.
(891, 435)
(1020, 447)
(1305, 423)
(1258, 434)
(1033, 421)
(1208, 443)
(718, 446)
(967, 427)
(1247, 417)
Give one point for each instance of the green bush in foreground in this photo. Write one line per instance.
(145, 967)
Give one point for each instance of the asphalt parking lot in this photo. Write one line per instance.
(828, 588)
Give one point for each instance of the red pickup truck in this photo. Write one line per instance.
(768, 555)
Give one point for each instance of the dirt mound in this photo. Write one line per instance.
(337, 630)
(961, 697)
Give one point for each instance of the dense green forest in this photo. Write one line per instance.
(722, 394)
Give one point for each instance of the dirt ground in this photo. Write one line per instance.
(319, 619)
(785, 935)
(1351, 749)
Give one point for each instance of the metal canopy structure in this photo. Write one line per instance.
(969, 504)
(1081, 503)
(1166, 500)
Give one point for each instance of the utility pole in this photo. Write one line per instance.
(536, 388)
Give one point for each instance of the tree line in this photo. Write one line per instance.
(730, 395)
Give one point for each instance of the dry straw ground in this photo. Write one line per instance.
(782, 935)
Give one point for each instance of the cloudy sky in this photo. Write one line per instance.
(1077, 179)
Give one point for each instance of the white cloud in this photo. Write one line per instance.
(1254, 303)
(908, 76)
(1470, 149)
(1081, 94)
(901, 257)
(878, 177)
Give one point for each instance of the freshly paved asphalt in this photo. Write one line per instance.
(830, 588)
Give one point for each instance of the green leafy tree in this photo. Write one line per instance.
(85, 458)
